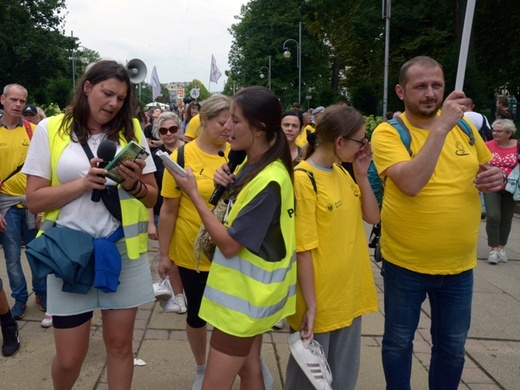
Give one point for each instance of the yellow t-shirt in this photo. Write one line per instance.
(188, 222)
(193, 126)
(330, 225)
(301, 140)
(436, 231)
(14, 145)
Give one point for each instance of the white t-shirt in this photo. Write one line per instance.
(477, 119)
(81, 213)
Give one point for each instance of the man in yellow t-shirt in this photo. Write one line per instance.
(430, 221)
(15, 137)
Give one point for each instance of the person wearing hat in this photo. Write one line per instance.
(33, 114)
(317, 112)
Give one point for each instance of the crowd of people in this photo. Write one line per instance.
(274, 219)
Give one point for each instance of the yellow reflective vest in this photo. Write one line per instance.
(134, 213)
(246, 295)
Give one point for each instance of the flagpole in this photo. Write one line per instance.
(464, 45)
(210, 65)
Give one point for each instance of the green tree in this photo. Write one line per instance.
(204, 93)
(354, 30)
(33, 51)
(496, 55)
(262, 28)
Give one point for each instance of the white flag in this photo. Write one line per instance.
(155, 84)
(215, 72)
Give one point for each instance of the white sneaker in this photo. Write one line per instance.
(278, 325)
(161, 290)
(310, 357)
(493, 257)
(47, 321)
(181, 301)
(502, 255)
(170, 306)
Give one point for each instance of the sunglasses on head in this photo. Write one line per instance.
(171, 129)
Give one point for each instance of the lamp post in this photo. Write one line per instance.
(287, 54)
(73, 58)
(268, 73)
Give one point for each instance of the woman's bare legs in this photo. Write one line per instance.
(118, 331)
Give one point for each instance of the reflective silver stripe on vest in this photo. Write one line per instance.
(123, 195)
(243, 306)
(252, 271)
(47, 224)
(135, 229)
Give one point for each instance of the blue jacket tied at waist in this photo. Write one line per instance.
(77, 258)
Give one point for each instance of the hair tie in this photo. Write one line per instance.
(311, 138)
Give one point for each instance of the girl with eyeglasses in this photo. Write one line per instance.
(500, 206)
(335, 283)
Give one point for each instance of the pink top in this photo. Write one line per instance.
(504, 158)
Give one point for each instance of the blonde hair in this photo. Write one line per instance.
(212, 107)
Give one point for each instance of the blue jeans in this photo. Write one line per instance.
(450, 301)
(11, 240)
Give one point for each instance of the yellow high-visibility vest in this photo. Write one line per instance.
(246, 295)
(133, 212)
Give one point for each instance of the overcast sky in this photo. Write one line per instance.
(178, 37)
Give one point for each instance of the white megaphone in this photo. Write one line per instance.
(137, 70)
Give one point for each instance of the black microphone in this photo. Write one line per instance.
(235, 158)
(106, 151)
(221, 154)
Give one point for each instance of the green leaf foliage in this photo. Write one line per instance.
(33, 51)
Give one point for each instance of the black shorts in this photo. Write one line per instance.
(69, 322)
(194, 284)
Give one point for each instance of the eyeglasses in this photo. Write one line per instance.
(171, 129)
(498, 131)
(360, 143)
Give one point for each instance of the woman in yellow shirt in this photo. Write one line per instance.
(335, 283)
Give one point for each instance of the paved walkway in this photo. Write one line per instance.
(493, 347)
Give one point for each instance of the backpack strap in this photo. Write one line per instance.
(404, 133)
(311, 177)
(28, 128)
(464, 126)
(180, 155)
(406, 138)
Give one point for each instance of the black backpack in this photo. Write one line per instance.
(485, 130)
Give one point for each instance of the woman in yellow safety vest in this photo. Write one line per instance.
(61, 181)
(251, 283)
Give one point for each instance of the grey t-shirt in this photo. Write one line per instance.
(257, 226)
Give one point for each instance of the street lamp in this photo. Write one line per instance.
(73, 58)
(262, 75)
(287, 54)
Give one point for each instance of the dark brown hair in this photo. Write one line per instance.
(187, 116)
(79, 110)
(336, 121)
(263, 111)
